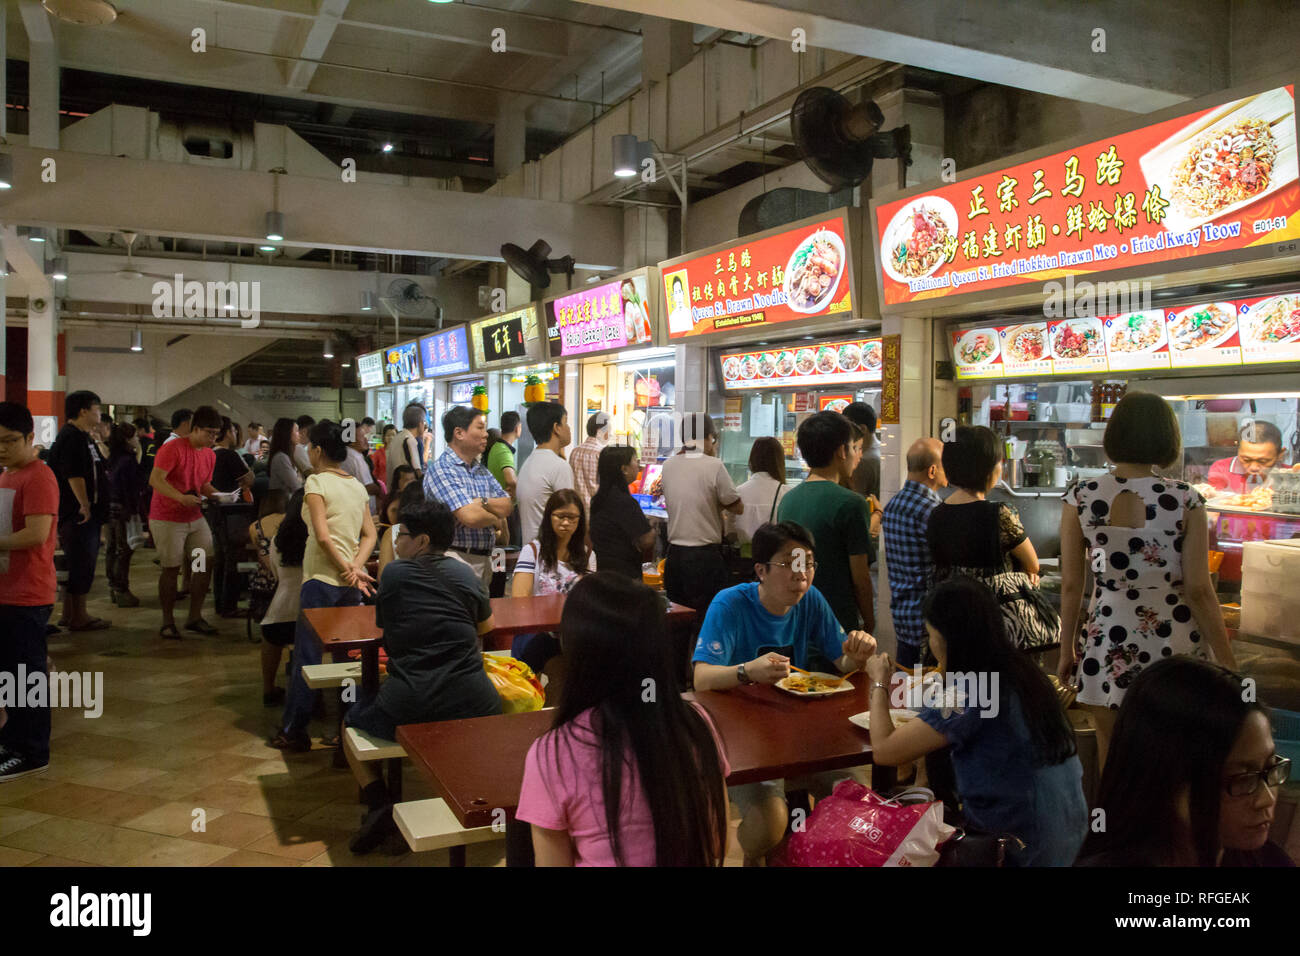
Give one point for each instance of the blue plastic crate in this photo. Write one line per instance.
(1286, 733)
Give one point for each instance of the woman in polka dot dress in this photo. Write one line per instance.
(1146, 541)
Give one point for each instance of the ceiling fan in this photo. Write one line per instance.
(130, 271)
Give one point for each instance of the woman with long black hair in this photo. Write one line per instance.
(621, 534)
(624, 778)
(124, 501)
(280, 541)
(1192, 775)
(284, 477)
(1012, 747)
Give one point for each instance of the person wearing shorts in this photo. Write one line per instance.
(181, 479)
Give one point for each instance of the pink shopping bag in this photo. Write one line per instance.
(855, 826)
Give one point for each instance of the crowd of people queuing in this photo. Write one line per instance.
(781, 578)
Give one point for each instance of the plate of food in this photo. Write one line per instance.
(1077, 338)
(749, 367)
(731, 368)
(1203, 326)
(767, 365)
(805, 360)
(872, 356)
(976, 347)
(1273, 321)
(836, 405)
(1138, 332)
(850, 357)
(813, 273)
(828, 359)
(918, 239)
(899, 715)
(785, 363)
(816, 684)
(1025, 343)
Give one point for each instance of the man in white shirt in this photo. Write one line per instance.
(301, 460)
(697, 489)
(357, 466)
(583, 459)
(254, 444)
(406, 447)
(545, 471)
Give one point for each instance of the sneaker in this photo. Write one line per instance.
(13, 766)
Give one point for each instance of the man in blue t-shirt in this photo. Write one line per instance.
(751, 635)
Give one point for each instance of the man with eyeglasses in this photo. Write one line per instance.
(181, 479)
(752, 634)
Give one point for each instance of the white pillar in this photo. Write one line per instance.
(508, 138)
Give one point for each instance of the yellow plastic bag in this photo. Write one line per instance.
(519, 688)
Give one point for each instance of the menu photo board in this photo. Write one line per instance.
(814, 365)
(613, 315)
(506, 338)
(462, 392)
(402, 364)
(1269, 329)
(370, 369)
(445, 353)
(1215, 180)
(783, 276)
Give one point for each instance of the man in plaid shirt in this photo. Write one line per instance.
(583, 459)
(907, 552)
(463, 483)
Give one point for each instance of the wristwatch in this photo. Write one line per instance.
(876, 683)
(742, 676)
(483, 502)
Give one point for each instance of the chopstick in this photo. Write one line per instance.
(838, 681)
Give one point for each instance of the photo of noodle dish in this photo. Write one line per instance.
(1077, 338)
(872, 356)
(1202, 326)
(1139, 332)
(767, 365)
(977, 347)
(827, 359)
(804, 361)
(1223, 166)
(785, 363)
(749, 367)
(919, 238)
(1025, 343)
(731, 368)
(850, 357)
(1274, 320)
(813, 273)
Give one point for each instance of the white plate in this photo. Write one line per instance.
(900, 230)
(1223, 336)
(1247, 321)
(1080, 326)
(844, 687)
(827, 297)
(967, 337)
(899, 715)
(1155, 316)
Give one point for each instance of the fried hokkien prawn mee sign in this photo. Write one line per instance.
(799, 273)
(1220, 179)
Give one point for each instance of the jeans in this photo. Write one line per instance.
(306, 650)
(117, 561)
(535, 649)
(27, 729)
(227, 532)
(693, 576)
(80, 544)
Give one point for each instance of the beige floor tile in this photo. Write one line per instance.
(13, 820)
(251, 858)
(172, 819)
(115, 807)
(118, 777)
(14, 791)
(182, 853)
(169, 785)
(340, 855)
(344, 815)
(56, 835)
(11, 857)
(228, 795)
(71, 767)
(165, 757)
(232, 829)
(298, 842)
(99, 746)
(62, 799)
(61, 862)
(277, 772)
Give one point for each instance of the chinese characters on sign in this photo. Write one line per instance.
(446, 353)
(512, 335)
(370, 369)
(610, 316)
(891, 379)
(1174, 190)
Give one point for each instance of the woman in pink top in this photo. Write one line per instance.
(623, 778)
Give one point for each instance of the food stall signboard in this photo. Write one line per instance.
(1255, 331)
(610, 316)
(402, 363)
(370, 369)
(506, 337)
(891, 382)
(812, 366)
(445, 353)
(1220, 179)
(462, 392)
(792, 275)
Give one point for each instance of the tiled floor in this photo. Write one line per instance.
(176, 771)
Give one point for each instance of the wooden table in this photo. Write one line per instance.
(477, 765)
(342, 629)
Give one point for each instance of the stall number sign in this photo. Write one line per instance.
(370, 369)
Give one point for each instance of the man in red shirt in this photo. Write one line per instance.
(1259, 451)
(181, 478)
(29, 501)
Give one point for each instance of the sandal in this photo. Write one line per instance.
(300, 743)
(201, 627)
(330, 740)
(169, 631)
(94, 624)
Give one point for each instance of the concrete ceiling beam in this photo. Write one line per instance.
(316, 42)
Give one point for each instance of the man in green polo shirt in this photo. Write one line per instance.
(836, 517)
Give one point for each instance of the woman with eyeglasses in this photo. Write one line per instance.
(551, 564)
(1192, 775)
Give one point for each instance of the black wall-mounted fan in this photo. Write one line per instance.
(532, 264)
(839, 140)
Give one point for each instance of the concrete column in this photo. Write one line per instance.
(45, 387)
(508, 135)
(666, 46)
(922, 110)
(645, 236)
(43, 76)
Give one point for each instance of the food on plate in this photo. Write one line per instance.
(827, 359)
(850, 357)
(872, 356)
(731, 368)
(748, 367)
(1199, 327)
(1026, 343)
(836, 405)
(813, 272)
(785, 363)
(811, 684)
(1222, 167)
(1077, 340)
(804, 361)
(766, 364)
(1207, 490)
(1261, 499)
(1275, 320)
(976, 348)
(921, 250)
(1136, 333)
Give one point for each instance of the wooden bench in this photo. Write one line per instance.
(364, 747)
(430, 825)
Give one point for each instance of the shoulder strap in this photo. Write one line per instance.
(771, 515)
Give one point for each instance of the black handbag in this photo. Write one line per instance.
(262, 583)
(974, 848)
(740, 566)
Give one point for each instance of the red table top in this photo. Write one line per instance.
(477, 765)
(346, 628)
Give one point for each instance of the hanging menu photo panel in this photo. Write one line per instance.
(370, 369)
(844, 362)
(402, 364)
(445, 353)
(602, 318)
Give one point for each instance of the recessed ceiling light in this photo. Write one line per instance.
(267, 248)
(387, 147)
